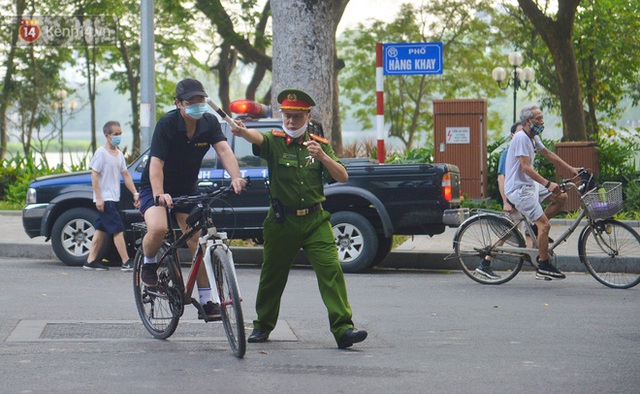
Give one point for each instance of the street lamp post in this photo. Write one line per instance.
(60, 106)
(519, 78)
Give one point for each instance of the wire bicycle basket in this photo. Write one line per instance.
(603, 202)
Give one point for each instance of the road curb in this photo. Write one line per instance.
(27, 251)
(252, 256)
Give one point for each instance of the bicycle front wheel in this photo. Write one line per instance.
(611, 252)
(478, 238)
(159, 307)
(230, 302)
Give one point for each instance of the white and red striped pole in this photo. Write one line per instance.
(380, 103)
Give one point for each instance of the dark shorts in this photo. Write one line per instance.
(147, 201)
(110, 221)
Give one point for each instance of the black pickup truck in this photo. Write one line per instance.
(377, 202)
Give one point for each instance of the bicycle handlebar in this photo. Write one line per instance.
(587, 184)
(216, 194)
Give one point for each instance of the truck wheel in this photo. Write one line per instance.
(356, 240)
(71, 235)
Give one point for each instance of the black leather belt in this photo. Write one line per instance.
(305, 211)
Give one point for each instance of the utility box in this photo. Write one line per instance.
(460, 138)
(577, 154)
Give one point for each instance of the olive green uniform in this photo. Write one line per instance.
(298, 184)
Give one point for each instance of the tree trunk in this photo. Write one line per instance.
(304, 51)
(7, 84)
(134, 82)
(558, 36)
(336, 127)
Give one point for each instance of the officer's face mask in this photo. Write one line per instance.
(195, 111)
(295, 133)
(295, 118)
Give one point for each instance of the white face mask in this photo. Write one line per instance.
(295, 133)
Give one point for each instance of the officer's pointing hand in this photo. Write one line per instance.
(314, 148)
(239, 129)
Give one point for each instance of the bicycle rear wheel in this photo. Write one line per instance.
(611, 252)
(159, 307)
(478, 237)
(230, 302)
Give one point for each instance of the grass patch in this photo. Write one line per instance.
(10, 206)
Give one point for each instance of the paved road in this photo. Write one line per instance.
(65, 329)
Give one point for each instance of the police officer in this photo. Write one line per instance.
(298, 161)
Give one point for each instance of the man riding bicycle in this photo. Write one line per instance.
(526, 189)
(180, 140)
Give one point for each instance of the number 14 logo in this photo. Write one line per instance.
(29, 30)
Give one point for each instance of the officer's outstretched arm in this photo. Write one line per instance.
(251, 135)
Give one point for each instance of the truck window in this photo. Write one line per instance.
(245, 155)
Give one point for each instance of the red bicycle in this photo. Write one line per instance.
(161, 307)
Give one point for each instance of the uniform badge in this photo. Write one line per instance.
(292, 97)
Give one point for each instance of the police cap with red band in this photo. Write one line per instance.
(295, 99)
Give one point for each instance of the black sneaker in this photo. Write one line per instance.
(486, 271)
(149, 275)
(547, 271)
(95, 265)
(128, 266)
(212, 312)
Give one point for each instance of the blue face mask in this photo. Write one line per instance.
(195, 111)
(536, 129)
(115, 140)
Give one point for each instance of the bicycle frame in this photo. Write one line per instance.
(207, 243)
(530, 254)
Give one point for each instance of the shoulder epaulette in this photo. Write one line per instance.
(277, 133)
(319, 139)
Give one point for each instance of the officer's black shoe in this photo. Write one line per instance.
(258, 336)
(350, 337)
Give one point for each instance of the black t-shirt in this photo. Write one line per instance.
(182, 158)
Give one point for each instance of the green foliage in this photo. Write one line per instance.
(16, 174)
(606, 40)
(481, 204)
(544, 166)
(632, 194)
(412, 156)
(617, 154)
(494, 149)
(408, 99)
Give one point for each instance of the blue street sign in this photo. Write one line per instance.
(412, 58)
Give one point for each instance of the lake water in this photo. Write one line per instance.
(348, 137)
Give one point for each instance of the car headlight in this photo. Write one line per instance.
(32, 196)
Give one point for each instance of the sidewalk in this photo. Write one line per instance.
(418, 252)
